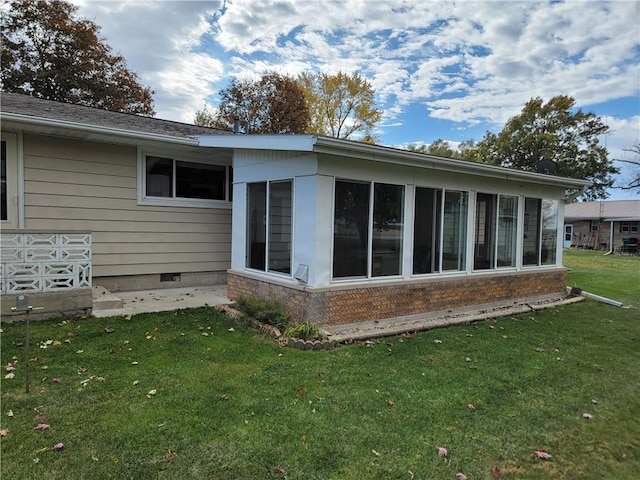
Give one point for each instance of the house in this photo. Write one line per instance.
(340, 231)
(604, 225)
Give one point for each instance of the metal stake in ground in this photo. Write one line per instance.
(22, 306)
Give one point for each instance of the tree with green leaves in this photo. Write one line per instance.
(49, 53)
(557, 132)
(443, 148)
(341, 106)
(273, 104)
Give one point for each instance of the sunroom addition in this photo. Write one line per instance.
(344, 232)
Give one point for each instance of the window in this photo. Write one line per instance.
(496, 231)
(549, 232)
(484, 247)
(168, 178)
(594, 225)
(531, 234)
(269, 226)
(507, 231)
(368, 229)
(629, 227)
(4, 212)
(440, 231)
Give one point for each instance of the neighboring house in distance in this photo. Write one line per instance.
(340, 231)
(602, 225)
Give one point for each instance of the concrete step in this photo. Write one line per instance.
(103, 299)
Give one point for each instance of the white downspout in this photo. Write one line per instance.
(610, 239)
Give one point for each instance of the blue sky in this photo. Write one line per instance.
(449, 70)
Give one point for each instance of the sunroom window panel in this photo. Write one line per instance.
(531, 234)
(4, 209)
(454, 231)
(280, 226)
(549, 232)
(256, 225)
(484, 245)
(351, 229)
(507, 236)
(388, 229)
(426, 230)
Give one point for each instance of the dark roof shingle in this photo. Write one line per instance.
(36, 107)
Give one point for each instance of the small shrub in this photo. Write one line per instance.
(305, 331)
(270, 312)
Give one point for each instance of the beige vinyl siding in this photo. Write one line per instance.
(80, 185)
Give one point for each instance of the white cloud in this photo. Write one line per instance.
(469, 62)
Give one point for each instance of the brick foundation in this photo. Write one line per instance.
(345, 304)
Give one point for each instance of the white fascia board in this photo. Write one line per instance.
(378, 153)
(96, 129)
(295, 143)
(334, 146)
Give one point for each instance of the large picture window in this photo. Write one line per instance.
(368, 229)
(169, 178)
(269, 226)
(440, 230)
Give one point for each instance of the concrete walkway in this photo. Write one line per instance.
(107, 304)
(417, 323)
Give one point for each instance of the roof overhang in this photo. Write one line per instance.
(378, 153)
(48, 126)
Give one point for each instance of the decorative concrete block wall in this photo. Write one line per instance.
(350, 304)
(52, 268)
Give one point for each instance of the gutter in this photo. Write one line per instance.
(97, 129)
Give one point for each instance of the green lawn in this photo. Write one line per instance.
(193, 394)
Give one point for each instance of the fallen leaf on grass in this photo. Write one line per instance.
(231, 330)
(10, 375)
(470, 406)
(109, 330)
(56, 380)
(594, 401)
(10, 413)
(467, 359)
(279, 469)
(461, 476)
(171, 455)
(58, 446)
(42, 426)
(539, 349)
(224, 396)
(10, 366)
(496, 472)
(300, 391)
(4, 432)
(588, 416)
(377, 454)
(442, 452)
(151, 393)
(390, 403)
(437, 341)
(543, 455)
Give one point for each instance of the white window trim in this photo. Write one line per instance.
(176, 202)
